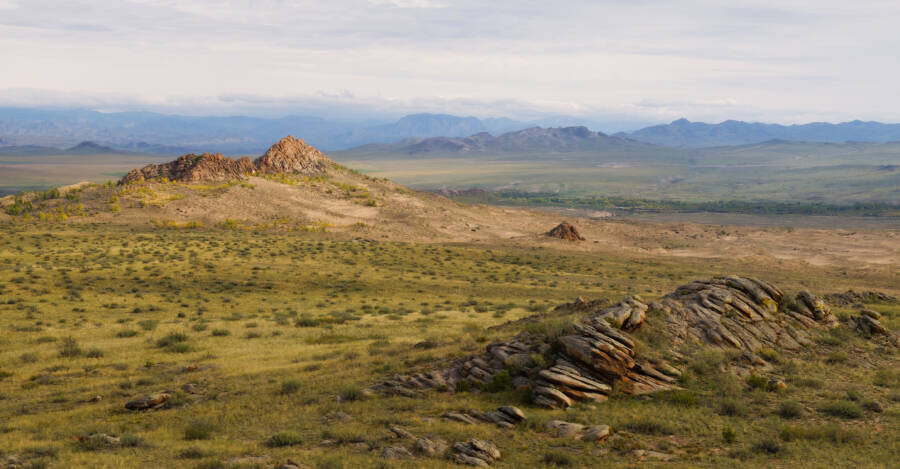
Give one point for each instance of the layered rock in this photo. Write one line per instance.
(566, 232)
(599, 354)
(289, 156)
(194, 168)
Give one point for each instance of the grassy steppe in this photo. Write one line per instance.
(283, 330)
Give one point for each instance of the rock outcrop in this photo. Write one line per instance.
(289, 156)
(565, 231)
(598, 352)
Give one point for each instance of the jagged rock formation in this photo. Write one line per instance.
(585, 363)
(290, 155)
(474, 452)
(565, 231)
(503, 417)
(194, 168)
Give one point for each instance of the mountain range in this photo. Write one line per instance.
(83, 148)
(683, 132)
(148, 132)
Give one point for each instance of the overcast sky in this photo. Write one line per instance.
(780, 61)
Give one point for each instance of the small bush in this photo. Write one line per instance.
(193, 453)
(148, 324)
(282, 439)
(173, 338)
(832, 432)
(769, 355)
(501, 381)
(649, 427)
(843, 408)
(69, 348)
(757, 382)
(220, 332)
(290, 386)
(351, 393)
(768, 446)
(790, 410)
(558, 459)
(29, 357)
(126, 333)
(733, 408)
(94, 353)
(729, 435)
(198, 430)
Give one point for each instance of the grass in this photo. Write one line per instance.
(333, 316)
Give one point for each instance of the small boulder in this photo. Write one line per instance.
(428, 447)
(474, 452)
(395, 452)
(400, 432)
(596, 433)
(566, 232)
(565, 429)
(150, 402)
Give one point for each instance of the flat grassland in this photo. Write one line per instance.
(282, 331)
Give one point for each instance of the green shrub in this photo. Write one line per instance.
(729, 435)
(767, 446)
(193, 453)
(558, 459)
(647, 426)
(790, 410)
(69, 348)
(282, 439)
(757, 382)
(351, 393)
(501, 381)
(220, 332)
(171, 339)
(126, 333)
(831, 432)
(843, 408)
(733, 408)
(198, 430)
(290, 386)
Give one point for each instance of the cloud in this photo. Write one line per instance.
(643, 58)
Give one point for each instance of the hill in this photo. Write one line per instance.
(684, 133)
(83, 148)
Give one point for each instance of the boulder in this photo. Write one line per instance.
(474, 452)
(395, 452)
(430, 448)
(596, 433)
(152, 401)
(566, 232)
(564, 429)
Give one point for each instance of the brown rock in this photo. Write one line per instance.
(596, 433)
(291, 156)
(474, 452)
(565, 231)
(192, 168)
(395, 452)
(150, 402)
(564, 429)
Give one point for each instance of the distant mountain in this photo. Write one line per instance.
(535, 139)
(83, 148)
(170, 134)
(684, 133)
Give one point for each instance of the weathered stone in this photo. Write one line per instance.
(474, 452)
(514, 412)
(428, 447)
(458, 417)
(564, 429)
(150, 402)
(596, 433)
(400, 432)
(566, 232)
(192, 388)
(395, 452)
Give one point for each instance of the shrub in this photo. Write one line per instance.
(220, 332)
(306, 322)
(501, 381)
(557, 458)
(769, 355)
(69, 348)
(148, 324)
(832, 432)
(94, 353)
(790, 410)
(29, 357)
(767, 446)
(646, 426)
(733, 408)
(843, 408)
(126, 333)
(757, 382)
(351, 393)
(729, 435)
(290, 386)
(198, 430)
(680, 397)
(282, 439)
(193, 453)
(171, 339)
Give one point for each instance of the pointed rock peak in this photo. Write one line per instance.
(681, 121)
(566, 232)
(292, 155)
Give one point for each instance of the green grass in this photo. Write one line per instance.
(332, 316)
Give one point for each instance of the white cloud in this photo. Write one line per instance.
(702, 59)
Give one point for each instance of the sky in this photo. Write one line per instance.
(783, 61)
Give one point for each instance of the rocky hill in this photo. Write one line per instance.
(288, 156)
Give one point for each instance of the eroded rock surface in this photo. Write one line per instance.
(289, 156)
(598, 353)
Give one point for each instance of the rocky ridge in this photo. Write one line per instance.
(599, 353)
(290, 155)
